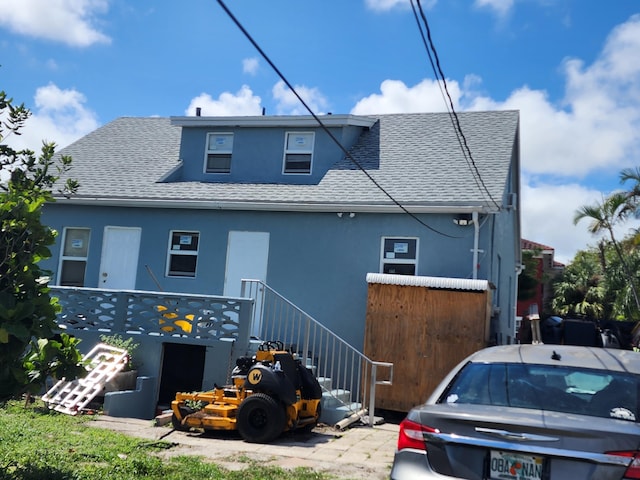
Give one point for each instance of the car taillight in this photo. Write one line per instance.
(633, 470)
(412, 435)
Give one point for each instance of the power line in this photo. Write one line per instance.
(321, 123)
(455, 120)
(443, 93)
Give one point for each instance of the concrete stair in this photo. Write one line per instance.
(336, 403)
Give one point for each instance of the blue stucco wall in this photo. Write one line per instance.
(258, 154)
(319, 261)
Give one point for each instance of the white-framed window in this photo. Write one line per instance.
(298, 152)
(182, 258)
(73, 256)
(399, 255)
(219, 150)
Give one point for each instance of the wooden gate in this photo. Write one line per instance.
(424, 326)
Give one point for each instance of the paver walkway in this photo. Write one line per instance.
(358, 453)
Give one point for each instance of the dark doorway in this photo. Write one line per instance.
(182, 370)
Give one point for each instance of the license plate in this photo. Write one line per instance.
(514, 466)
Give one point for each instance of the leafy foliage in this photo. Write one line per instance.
(579, 292)
(57, 357)
(603, 217)
(128, 344)
(26, 309)
(527, 281)
(601, 282)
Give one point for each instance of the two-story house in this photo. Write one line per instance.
(195, 204)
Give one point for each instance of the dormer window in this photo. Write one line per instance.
(298, 152)
(219, 149)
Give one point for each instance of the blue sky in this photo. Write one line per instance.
(570, 66)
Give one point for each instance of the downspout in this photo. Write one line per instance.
(476, 239)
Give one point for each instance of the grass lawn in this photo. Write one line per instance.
(38, 444)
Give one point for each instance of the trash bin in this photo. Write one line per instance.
(551, 330)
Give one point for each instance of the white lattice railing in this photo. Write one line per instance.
(154, 313)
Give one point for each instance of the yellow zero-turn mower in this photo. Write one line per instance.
(272, 392)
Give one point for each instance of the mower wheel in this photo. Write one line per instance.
(177, 424)
(261, 418)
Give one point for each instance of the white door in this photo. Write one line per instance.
(247, 257)
(119, 262)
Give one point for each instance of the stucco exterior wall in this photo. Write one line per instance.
(318, 261)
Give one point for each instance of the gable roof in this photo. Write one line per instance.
(416, 158)
(531, 245)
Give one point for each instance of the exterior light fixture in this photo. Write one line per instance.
(463, 219)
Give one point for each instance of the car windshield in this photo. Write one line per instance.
(596, 393)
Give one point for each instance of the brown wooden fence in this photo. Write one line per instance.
(423, 330)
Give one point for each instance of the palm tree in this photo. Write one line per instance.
(633, 195)
(604, 217)
(634, 175)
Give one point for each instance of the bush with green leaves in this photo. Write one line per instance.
(27, 311)
(128, 344)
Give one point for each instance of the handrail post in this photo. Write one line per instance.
(307, 334)
(372, 393)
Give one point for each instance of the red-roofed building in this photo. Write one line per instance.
(546, 269)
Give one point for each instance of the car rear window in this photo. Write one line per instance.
(597, 393)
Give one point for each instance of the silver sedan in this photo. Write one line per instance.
(528, 412)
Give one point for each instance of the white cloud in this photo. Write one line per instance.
(68, 21)
(500, 7)
(289, 104)
(593, 129)
(596, 127)
(250, 65)
(548, 211)
(243, 102)
(59, 116)
(384, 5)
(396, 97)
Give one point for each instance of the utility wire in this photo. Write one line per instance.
(437, 70)
(322, 125)
(444, 95)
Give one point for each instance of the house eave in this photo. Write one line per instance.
(275, 121)
(273, 206)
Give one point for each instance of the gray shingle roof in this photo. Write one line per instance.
(415, 157)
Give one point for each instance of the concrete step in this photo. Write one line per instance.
(325, 383)
(334, 414)
(335, 397)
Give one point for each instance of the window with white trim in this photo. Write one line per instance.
(73, 258)
(219, 150)
(182, 257)
(399, 255)
(298, 152)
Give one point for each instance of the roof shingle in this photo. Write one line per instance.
(416, 158)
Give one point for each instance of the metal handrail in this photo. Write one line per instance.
(353, 375)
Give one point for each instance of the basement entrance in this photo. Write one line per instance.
(182, 370)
